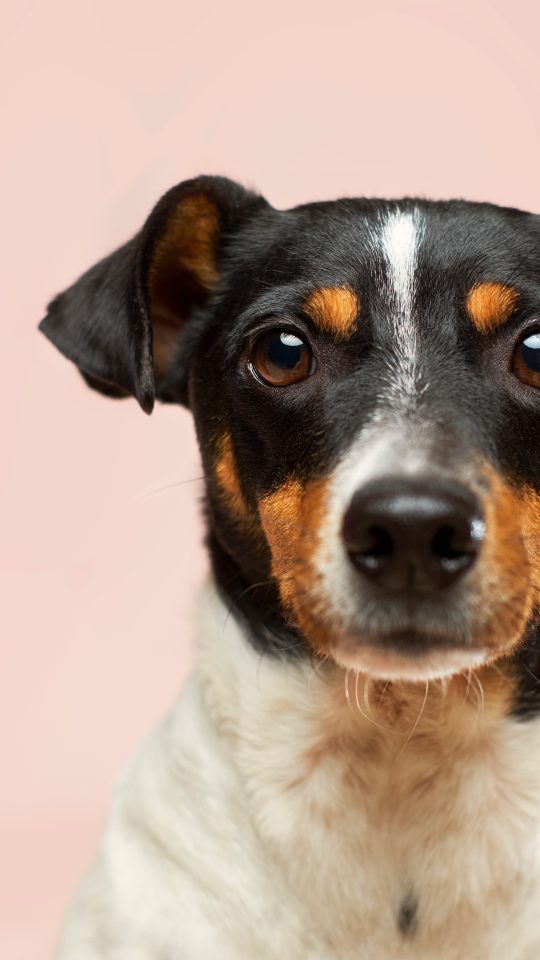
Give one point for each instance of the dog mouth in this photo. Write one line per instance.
(398, 568)
(418, 575)
(407, 655)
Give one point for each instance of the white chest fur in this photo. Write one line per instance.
(272, 816)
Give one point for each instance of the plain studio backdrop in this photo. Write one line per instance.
(105, 105)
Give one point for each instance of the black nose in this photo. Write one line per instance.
(413, 533)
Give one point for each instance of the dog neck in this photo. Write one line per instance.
(429, 790)
(319, 700)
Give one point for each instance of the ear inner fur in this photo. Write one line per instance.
(189, 242)
(183, 271)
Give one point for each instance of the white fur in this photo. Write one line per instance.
(268, 818)
(399, 240)
(379, 451)
(400, 237)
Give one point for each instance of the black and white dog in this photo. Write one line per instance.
(353, 771)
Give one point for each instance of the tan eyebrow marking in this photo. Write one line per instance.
(490, 304)
(334, 310)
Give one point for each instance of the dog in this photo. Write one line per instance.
(353, 770)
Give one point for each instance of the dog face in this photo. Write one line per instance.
(365, 381)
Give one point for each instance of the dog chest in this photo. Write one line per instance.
(400, 817)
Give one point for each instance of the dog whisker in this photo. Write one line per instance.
(480, 688)
(501, 674)
(415, 725)
(169, 486)
(362, 712)
(383, 691)
(529, 671)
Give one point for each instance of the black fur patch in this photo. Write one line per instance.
(527, 698)
(408, 915)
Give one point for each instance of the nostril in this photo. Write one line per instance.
(377, 547)
(454, 547)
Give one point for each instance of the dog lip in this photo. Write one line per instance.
(389, 659)
(415, 643)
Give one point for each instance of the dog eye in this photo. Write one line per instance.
(281, 358)
(526, 360)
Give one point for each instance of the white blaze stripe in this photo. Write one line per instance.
(399, 243)
(401, 234)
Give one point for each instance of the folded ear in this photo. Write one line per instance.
(122, 322)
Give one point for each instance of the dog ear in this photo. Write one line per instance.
(122, 322)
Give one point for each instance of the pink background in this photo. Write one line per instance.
(105, 105)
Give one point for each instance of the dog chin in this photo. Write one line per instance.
(383, 663)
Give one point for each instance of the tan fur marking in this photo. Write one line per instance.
(334, 310)
(505, 568)
(280, 516)
(183, 270)
(228, 480)
(291, 517)
(491, 304)
(189, 242)
(530, 500)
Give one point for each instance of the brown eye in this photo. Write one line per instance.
(526, 360)
(281, 358)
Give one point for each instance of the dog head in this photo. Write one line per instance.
(365, 381)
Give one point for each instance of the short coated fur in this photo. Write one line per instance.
(353, 771)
